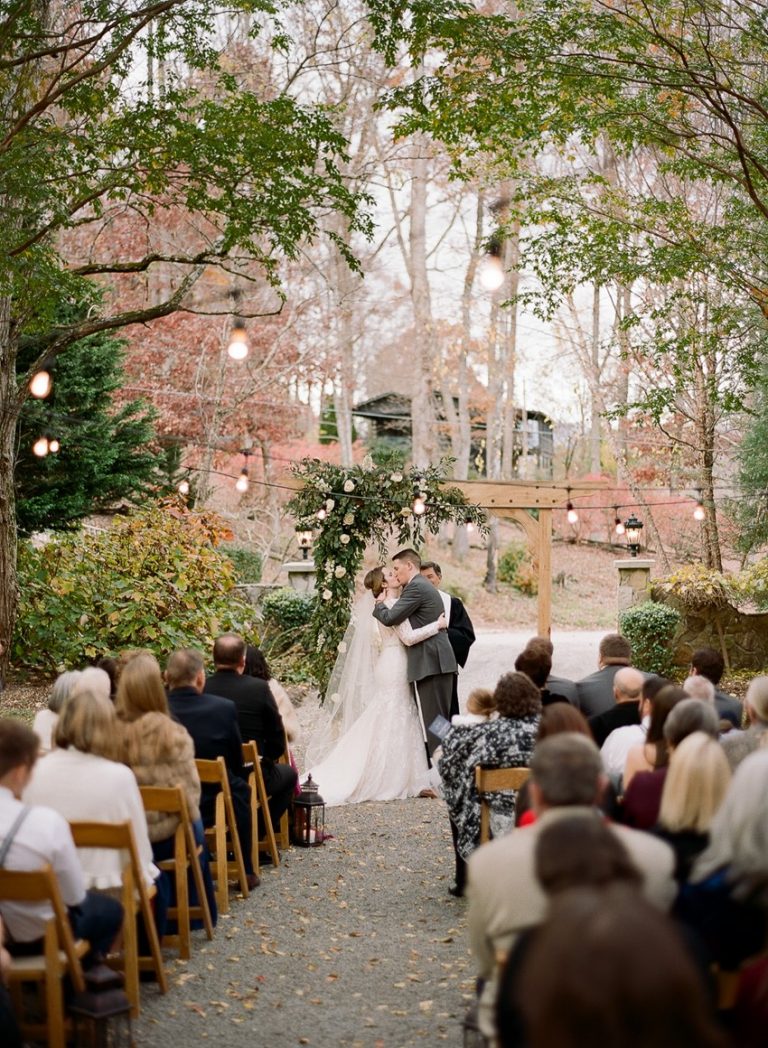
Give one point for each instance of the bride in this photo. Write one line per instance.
(370, 745)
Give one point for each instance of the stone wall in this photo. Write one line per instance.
(745, 635)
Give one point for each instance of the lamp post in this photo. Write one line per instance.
(304, 539)
(632, 528)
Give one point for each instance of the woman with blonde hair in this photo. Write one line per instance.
(694, 789)
(83, 781)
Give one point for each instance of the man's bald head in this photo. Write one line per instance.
(628, 684)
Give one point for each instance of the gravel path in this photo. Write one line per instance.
(356, 943)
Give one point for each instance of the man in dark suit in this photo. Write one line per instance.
(706, 662)
(258, 717)
(627, 709)
(594, 694)
(431, 664)
(212, 723)
(461, 633)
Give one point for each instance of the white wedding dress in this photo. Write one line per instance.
(380, 756)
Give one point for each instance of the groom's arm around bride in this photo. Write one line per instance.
(431, 664)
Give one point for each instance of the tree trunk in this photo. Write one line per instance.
(595, 463)
(423, 433)
(508, 357)
(490, 560)
(9, 593)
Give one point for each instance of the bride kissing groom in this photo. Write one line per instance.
(431, 664)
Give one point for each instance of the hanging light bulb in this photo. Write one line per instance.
(238, 342)
(617, 522)
(40, 385)
(321, 514)
(699, 512)
(54, 446)
(470, 526)
(572, 515)
(41, 447)
(242, 481)
(184, 487)
(419, 506)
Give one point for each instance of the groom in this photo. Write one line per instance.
(431, 664)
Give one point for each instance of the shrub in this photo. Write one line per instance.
(246, 562)
(698, 587)
(752, 584)
(510, 561)
(649, 627)
(154, 579)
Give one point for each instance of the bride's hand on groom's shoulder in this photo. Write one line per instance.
(442, 622)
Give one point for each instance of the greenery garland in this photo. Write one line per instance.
(351, 507)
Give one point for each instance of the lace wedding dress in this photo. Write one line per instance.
(380, 755)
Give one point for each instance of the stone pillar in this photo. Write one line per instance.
(301, 575)
(634, 582)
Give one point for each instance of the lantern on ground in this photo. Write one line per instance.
(309, 816)
(304, 539)
(632, 528)
(102, 1013)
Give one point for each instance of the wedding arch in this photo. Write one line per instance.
(349, 508)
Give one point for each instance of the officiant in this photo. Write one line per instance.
(461, 633)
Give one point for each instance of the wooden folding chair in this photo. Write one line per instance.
(492, 780)
(260, 802)
(283, 831)
(186, 858)
(222, 837)
(135, 897)
(61, 954)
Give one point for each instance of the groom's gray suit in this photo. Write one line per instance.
(431, 664)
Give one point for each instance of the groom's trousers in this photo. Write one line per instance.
(434, 698)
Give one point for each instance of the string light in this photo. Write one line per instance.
(699, 512)
(573, 516)
(617, 521)
(184, 487)
(419, 506)
(491, 273)
(40, 385)
(242, 481)
(470, 526)
(54, 446)
(238, 342)
(41, 447)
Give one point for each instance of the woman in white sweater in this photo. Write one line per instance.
(81, 780)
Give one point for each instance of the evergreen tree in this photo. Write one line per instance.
(106, 454)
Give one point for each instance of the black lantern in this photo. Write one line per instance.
(102, 1013)
(309, 816)
(304, 539)
(633, 527)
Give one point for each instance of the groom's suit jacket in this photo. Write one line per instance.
(421, 603)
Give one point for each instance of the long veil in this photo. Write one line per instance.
(351, 686)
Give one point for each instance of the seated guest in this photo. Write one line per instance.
(706, 662)
(576, 852)
(506, 742)
(480, 707)
(608, 969)
(256, 666)
(555, 685)
(94, 680)
(535, 661)
(594, 694)
(45, 720)
(111, 667)
(160, 752)
(653, 752)
(621, 723)
(694, 789)
(696, 687)
(726, 898)
(739, 744)
(642, 798)
(212, 723)
(257, 716)
(10, 1034)
(82, 780)
(33, 837)
(505, 896)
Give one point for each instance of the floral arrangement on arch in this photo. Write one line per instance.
(349, 508)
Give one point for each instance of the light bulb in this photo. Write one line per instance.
(242, 481)
(184, 487)
(321, 514)
(41, 447)
(470, 527)
(419, 506)
(40, 385)
(620, 529)
(491, 273)
(53, 446)
(238, 343)
(573, 516)
(699, 513)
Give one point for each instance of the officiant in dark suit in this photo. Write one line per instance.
(431, 664)
(461, 633)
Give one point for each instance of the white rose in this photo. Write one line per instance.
(341, 647)
(396, 477)
(367, 464)
(349, 485)
(327, 594)
(329, 504)
(340, 571)
(349, 518)
(344, 540)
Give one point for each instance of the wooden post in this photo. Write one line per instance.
(545, 572)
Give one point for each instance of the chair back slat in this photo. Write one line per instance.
(492, 780)
(169, 800)
(212, 772)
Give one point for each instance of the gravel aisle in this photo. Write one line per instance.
(353, 943)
